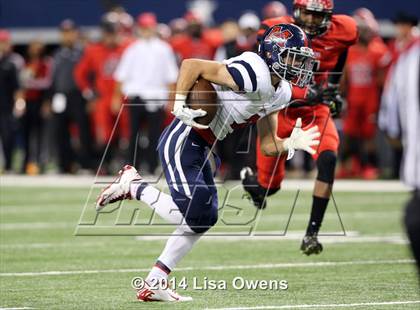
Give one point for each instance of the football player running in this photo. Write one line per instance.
(250, 87)
(331, 36)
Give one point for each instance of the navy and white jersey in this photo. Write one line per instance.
(256, 97)
(185, 151)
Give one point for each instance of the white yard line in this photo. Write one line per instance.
(331, 238)
(353, 305)
(334, 237)
(392, 238)
(18, 308)
(288, 184)
(36, 225)
(26, 246)
(217, 267)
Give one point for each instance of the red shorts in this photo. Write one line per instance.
(104, 122)
(360, 120)
(271, 170)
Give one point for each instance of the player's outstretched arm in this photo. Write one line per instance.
(190, 71)
(300, 139)
(270, 144)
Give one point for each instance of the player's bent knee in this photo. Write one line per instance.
(270, 181)
(202, 213)
(271, 191)
(326, 166)
(207, 221)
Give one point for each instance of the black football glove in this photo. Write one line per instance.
(336, 106)
(314, 94)
(331, 97)
(330, 91)
(319, 94)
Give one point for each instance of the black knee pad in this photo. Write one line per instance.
(252, 185)
(202, 212)
(270, 191)
(206, 221)
(326, 166)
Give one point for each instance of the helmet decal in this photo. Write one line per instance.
(285, 49)
(278, 35)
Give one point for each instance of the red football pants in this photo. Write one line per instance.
(271, 170)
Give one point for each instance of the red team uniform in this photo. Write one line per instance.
(363, 90)
(341, 34)
(198, 41)
(100, 62)
(187, 47)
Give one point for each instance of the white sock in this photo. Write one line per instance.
(161, 202)
(182, 239)
(178, 245)
(156, 273)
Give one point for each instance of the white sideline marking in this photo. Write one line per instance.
(26, 246)
(219, 267)
(36, 225)
(289, 184)
(349, 238)
(334, 237)
(19, 308)
(360, 304)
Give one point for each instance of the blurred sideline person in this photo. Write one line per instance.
(68, 105)
(400, 119)
(16, 58)
(195, 41)
(230, 48)
(238, 149)
(274, 9)
(99, 60)
(238, 37)
(227, 148)
(406, 34)
(9, 93)
(124, 23)
(146, 72)
(178, 26)
(191, 39)
(36, 80)
(249, 23)
(363, 79)
(331, 35)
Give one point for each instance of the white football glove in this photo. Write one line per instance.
(301, 139)
(185, 114)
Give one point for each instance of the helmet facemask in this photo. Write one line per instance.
(295, 65)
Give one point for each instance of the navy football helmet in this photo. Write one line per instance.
(285, 49)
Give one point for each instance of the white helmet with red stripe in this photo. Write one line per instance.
(321, 10)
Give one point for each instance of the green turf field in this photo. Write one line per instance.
(369, 267)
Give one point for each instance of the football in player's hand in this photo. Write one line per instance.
(203, 96)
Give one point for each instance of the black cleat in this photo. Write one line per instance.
(252, 188)
(310, 245)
